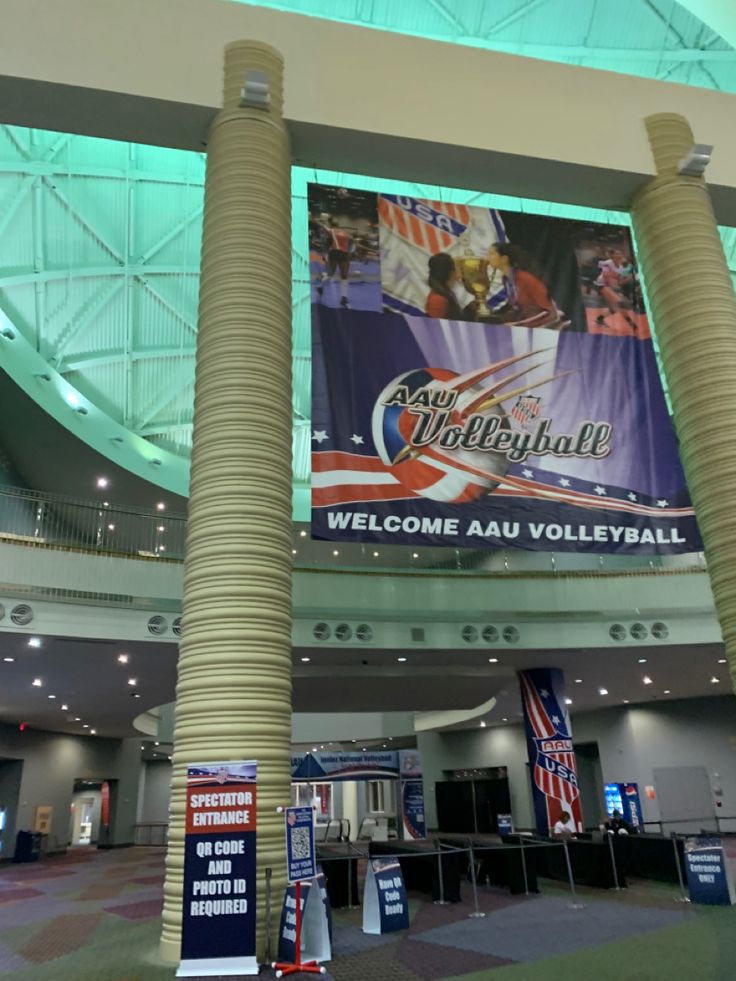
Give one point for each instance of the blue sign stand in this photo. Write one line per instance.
(385, 906)
(709, 878)
(304, 924)
(505, 824)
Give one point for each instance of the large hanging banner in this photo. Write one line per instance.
(551, 754)
(484, 379)
(219, 897)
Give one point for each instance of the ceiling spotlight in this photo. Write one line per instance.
(415, 555)
(306, 660)
(626, 701)
(161, 528)
(162, 548)
(132, 682)
(715, 681)
(106, 504)
(136, 694)
(8, 660)
(667, 691)
(375, 555)
(85, 726)
(293, 551)
(314, 749)
(51, 696)
(77, 719)
(302, 534)
(482, 724)
(602, 691)
(493, 660)
(721, 660)
(64, 708)
(34, 641)
(568, 701)
(160, 506)
(111, 527)
(102, 481)
(335, 551)
(646, 679)
(37, 682)
(93, 732)
(155, 744)
(642, 660)
(578, 681)
(123, 658)
(401, 659)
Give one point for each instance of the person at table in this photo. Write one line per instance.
(564, 826)
(617, 825)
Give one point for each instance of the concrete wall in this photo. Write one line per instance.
(51, 764)
(633, 741)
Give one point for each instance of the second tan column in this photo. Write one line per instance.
(233, 697)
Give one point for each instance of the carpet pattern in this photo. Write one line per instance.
(95, 916)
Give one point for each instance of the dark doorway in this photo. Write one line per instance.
(590, 784)
(472, 806)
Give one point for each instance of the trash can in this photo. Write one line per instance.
(27, 846)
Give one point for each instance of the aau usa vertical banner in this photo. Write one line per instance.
(550, 749)
(219, 897)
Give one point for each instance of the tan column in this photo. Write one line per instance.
(694, 308)
(233, 696)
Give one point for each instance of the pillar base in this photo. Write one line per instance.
(169, 951)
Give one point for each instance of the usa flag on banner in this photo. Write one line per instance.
(549, 743)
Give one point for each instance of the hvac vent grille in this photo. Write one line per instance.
(158, 625)
(21, 614)
(469, 634)
(510, 635)
(660, 630)
(176, 626)
(321, 631)
(490, 634)
(617, 631)
(364, 632)
(343, 631)
(639, 631)
(417, 634)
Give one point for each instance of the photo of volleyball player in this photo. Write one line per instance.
(344, 257)
(609, 282)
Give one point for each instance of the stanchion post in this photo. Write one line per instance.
(523, 866)
(683, 898)
(349, 864)
(616, 884)
(574, 904)
(476, 914)
(269, 873)
(441, 901)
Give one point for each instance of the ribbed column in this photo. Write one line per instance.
(694, 309)
(233, 696)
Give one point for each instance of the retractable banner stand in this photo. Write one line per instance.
(709, 873)
(485, 379)
(550, 749)
(385, 906)
(413, 824)
(219, 898)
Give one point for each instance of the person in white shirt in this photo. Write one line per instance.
(564, 826)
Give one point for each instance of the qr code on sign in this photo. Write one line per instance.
(300, 843)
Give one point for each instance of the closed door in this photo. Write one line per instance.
(685, 799)
(455, 806)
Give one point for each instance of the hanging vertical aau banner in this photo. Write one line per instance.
(549, 745)
(484, 378)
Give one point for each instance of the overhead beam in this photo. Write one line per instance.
(580, 138)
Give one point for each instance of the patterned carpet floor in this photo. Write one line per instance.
(95, 916)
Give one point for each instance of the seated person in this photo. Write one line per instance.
(564, 826)
(617, 826)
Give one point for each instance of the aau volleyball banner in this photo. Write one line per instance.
(485, 379)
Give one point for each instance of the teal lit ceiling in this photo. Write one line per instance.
(99, 240)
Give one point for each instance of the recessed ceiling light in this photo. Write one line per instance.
(37, 682)
(400, 658)
(8, 660)
(504, 720)
(85, 726)
(106, 504)
(93, 732)
(111, 527)
(306, 660)
(155, 744)
(64, 708)
(415, 555)
(482, 724)
(375, 555)
(626, 701)
(162, 548)
(578, 681)
(642, 660)
(51, 696)
(314, 749)
(293, 551)
(77, 719)
(646, 679)
(160, 506)
(136, 694)
(568, 701)
(493, 660)
(161, 528)
(715, 681)
(602, 691)
(133, 682)
(335, 551)
(102, 481)
(302, 534)
(34, 641)
(123, 658)
(721, 660)
(667, 691)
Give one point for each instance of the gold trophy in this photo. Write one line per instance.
(474, 274)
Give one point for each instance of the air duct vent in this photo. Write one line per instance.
(490, 634)
(321, 631)
(158, 625)
(617, 631)
(176, 626)
(470, 634)
(660, 630)
(364, 632)
(639, 631)
(21, 615)
(343, 632)
(511, 635)
(417, 634)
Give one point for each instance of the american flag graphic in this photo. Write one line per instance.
(551, 753)
(526, 408)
